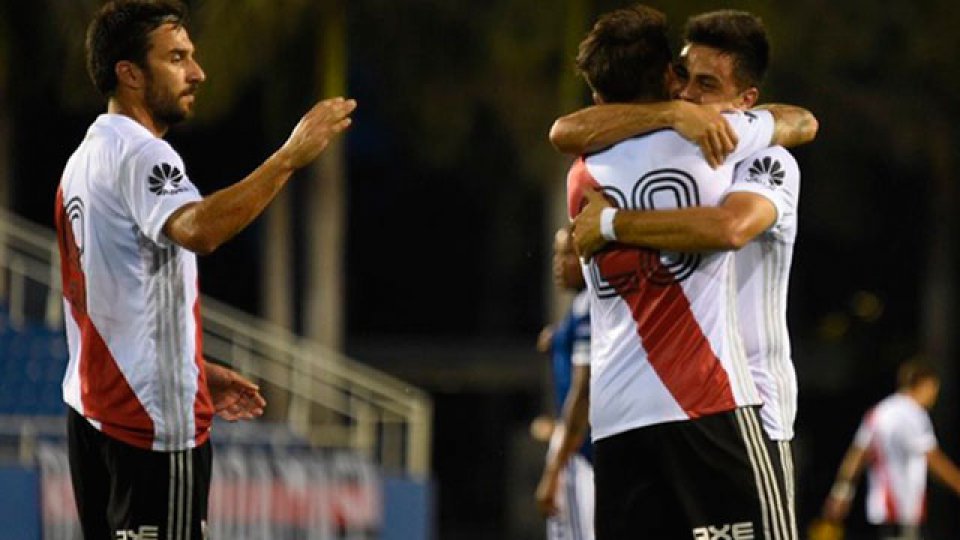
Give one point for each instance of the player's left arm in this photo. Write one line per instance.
(943, 469)
(763, 197)
(234, 396)
(730, 226)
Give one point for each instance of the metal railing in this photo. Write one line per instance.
(334, 401)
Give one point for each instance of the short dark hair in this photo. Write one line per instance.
(625, 56)
(913, 372)
(120, 31)
(737, 33)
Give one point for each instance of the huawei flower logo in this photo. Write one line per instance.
(767, 171)
(165, 180)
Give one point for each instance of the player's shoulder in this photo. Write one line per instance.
(898, 407)
(156, 157)
(132, 140)
(774, 165)
(156, 150)
(776, 152)
(640, 150)
(121, 128)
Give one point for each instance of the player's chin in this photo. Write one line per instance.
(186, 105)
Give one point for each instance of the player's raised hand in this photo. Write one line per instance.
(316, 129)
(587, 236)
(705, 126)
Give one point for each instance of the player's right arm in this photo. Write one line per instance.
(204, 225)
(600, 126)
(597, 127)
(570, 433)
(838, 500)
(837, 505)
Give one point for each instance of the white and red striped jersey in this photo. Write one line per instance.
(763, 273)
(131, 296)
(897, 433)
(665, 343)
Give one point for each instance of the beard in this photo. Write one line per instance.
(164, 105)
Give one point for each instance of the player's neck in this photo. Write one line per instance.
(138, 112)
(915, 398)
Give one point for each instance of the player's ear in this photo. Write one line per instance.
(129, 74)
(749, 97)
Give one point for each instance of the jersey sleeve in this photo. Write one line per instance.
(154, 185)
(754, 130)
(918, 436)
(773, 174)
(579, 180)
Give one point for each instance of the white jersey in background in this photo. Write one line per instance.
(665, 339)
(897, 434)
(133, 312)
(763, 272)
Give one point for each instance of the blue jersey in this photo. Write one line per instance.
(571, 346)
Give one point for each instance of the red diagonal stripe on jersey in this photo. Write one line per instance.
(886, 485)
(675, 345)
(203, 403)
(104, 392)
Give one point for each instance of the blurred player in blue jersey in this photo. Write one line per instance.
(565, 492)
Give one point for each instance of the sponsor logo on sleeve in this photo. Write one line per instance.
(767, 171)
(165, 179)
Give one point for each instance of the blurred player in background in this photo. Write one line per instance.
(565, 492)
(723, 62)
(896, 441)
(673, 404)
(130, 224)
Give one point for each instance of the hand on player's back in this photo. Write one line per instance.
(704, 126)
(587, 236)
(316, 129)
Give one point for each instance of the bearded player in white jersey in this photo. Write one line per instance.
(678, 445)
(141, 396)
(896, 441)
(723, 62)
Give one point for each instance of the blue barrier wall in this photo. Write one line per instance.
(409, 510)
(408, 506)
(20, 503)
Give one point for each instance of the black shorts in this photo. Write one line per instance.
(898, 532)
(708, 478)
(781, 453)
(124, 492)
